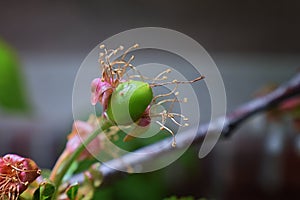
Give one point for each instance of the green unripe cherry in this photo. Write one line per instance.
(129, 101)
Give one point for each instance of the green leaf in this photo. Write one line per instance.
(72, 191)
(44, 192)
(12, 95)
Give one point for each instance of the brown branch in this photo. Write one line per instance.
(232, 120)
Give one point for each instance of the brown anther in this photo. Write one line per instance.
(173, 144)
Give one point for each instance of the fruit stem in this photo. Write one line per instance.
(65, 160)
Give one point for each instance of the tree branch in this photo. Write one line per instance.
(232, 120)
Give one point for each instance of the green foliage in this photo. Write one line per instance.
(72, 191)
(92, 180)
(129, 101)
(44, 192)
(135, 186)
(137, 143)
(12, 95)
(153, 185)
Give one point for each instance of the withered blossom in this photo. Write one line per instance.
(16, 173)
(117, 90)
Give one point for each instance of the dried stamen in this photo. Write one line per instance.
(177, 82)
(158, 77)
(167, 94)
(113, 73)
(163, 127)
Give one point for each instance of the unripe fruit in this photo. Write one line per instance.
(129, 101)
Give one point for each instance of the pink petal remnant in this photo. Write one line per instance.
(81, 130)
(145, 119)
(16, 173)
(101, 92)
(95, 91)
(142, 125)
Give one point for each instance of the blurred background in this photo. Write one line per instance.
(253, 43)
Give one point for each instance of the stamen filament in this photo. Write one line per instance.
(177, 82)
(169, 130)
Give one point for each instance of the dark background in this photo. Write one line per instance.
(252, 42)
(264, 26)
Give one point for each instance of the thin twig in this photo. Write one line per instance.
(232, 120)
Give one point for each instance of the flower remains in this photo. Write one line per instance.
(16, 173)
(117, 90)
